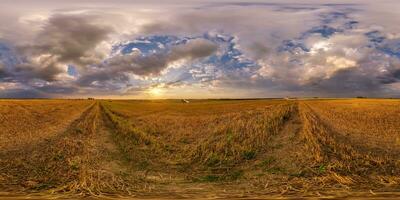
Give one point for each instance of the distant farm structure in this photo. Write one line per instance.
(290, 98)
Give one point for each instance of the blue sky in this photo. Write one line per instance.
(199, 49)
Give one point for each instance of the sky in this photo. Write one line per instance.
(199, 49)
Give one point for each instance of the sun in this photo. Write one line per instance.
(156, 91)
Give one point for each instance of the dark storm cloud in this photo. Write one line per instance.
(194, 49)
(2, 71)
(46, 69)
(116, 67)
(57, 89)
(135, 63)
(71, 37)
(390, 78)
(392, 75)
(22, 93)
(345, 81)
(98, 77)
(64, 39)
(155, 63)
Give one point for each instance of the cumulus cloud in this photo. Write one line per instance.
(390, 74)
(64, 39)
(150, 65)
(290, 47)
(193, 49)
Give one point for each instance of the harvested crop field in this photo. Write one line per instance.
(204, 149)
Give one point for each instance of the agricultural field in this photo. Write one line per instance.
(202, 149)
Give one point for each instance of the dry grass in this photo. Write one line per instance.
(49, 160)
(70, 162)
(355, 140)
(207, 140)
(375, 122)
(220, 148)
(24, 122)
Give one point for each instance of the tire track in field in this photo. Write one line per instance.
(347, 162)
(45, 164)
(124, 157)
(23, 123)
(108, 171)
(82, 160)
(287, 150)
(357, 145)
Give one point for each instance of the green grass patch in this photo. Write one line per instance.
(213, 160)
(249, 155)
(267, 162)
(235, 175)
(276, 170)
(210, 178)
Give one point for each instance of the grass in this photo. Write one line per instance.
(267, 162)
(62, 145)
(334, 137)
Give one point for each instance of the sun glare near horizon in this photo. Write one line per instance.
(156, 92)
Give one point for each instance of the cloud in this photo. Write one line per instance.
(64, 39)
(17, 90)
(196, 48)
(57, 89)
(289, 47)
(391, 74)
(2, 71)
(148, 65)
(21, 93)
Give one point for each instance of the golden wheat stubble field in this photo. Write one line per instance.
(201, 149)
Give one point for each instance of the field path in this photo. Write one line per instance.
(103, 168)
(112, 160)
(108, 161)
(288, 148)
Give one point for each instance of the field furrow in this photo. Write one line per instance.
(26, 122)
(202, 149)
(50, 162)
(349, 163)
